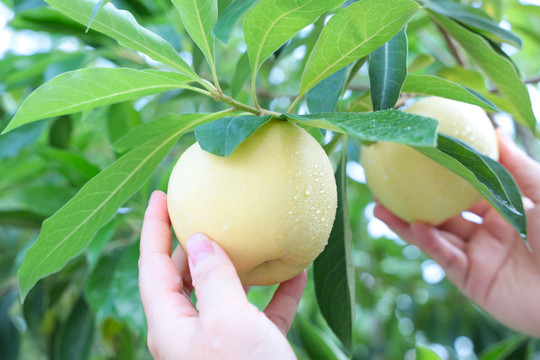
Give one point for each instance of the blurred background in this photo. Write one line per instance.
(91, 309)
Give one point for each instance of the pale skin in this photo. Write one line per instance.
(489, 262)
(223, 324)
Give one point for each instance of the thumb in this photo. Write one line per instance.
(525, 170)
(215, 280)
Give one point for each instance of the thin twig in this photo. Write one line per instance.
(460, 59)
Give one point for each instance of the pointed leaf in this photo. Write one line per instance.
(497, 67)
(325, 95)
(333, 269)
(125, 291)
(89, 88)
(229, 17)
(147, 131)
(65, 234)
(123, 27)
(424, 353)
(473, 18)
(241, 74)
(354, 32)
(384, 125)
(433, 85)
(316, 343)
(486, 175)
(199, 17)
(221, 137)
(387, 71)
(420, 62)
(97, 291)
(77, 333)
(272, 22)
(97, 7)
(502, 349)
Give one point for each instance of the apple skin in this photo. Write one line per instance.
(416, 188)
(270, 205)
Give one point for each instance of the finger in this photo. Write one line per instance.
(441, 248)
(525, 170)
(160, 283)
(481, 208)
(399, 226)
(459, 226)
(215, 280)
(180, 262)
(156, 235)
(284, 303)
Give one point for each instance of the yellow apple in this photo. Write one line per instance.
(270, 205)
(416, 188)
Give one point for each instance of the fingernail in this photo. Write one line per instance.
(198, 247)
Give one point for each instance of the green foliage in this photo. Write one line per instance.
(498, 67)
(88, 134)
(433, 85)
(222, 136)
(489, 178)
(386, 125)
(88, 88)
(353, 33)
(335, 292)
(388, 71)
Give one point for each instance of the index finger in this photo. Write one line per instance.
(524, 169)
(160, 283)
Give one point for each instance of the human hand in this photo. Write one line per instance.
(226, 325)
(489, 262)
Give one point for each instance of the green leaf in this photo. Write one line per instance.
(11, 144)
(89, 88)
(361, 103)
(60, 132)
(76, 169)
(100, 4)
(38, 198)
(384, 125)
(497, 67)
(354, 32)
(77, 333)
(424, 353)
(125, 291)
(317, 344)
(123, 27)
(98, 292)
(229, 17)
(166, 124)
(9, 334)
(241, 74)
(433, 85)
(333, 269)
(221, 137)
(486, 175)
(420, 62)
(122, 118)
(147, 131)
(473, 18)
(325, 95)
(101, 239)
(387, 71)
(65, 234)
(272, 22)
(502, 349)
(199, 17)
